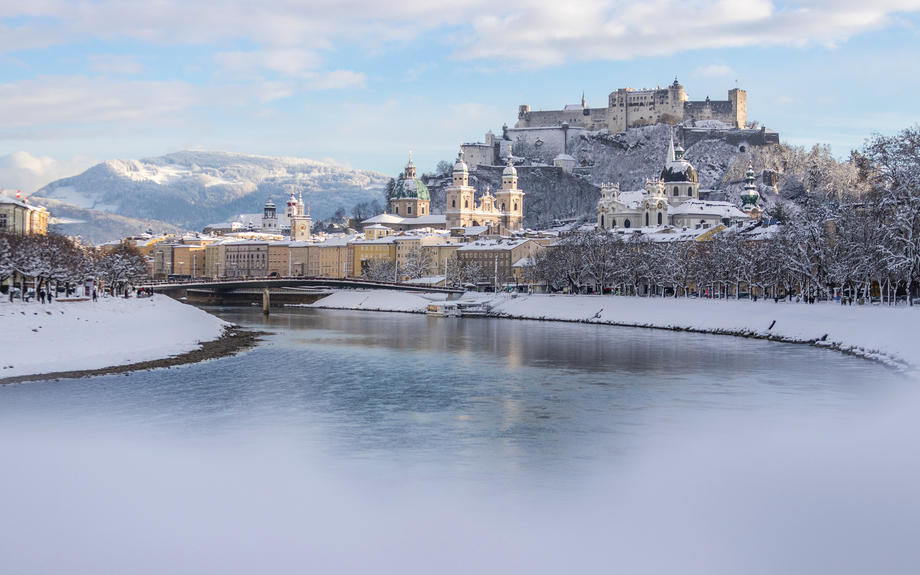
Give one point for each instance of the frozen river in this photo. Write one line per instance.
(356, 442)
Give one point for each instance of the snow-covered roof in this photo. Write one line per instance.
(383, 219)
(427, 280)
(493, 245)
(429, 220)
(565, 157)
(710, 208)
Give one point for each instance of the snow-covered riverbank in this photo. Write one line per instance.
(877, 332)
(81, 335)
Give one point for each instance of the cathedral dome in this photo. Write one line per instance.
(411, 189)
(679, 171)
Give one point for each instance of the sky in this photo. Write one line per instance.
(361, 83)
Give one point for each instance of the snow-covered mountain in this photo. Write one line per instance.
(192, 189)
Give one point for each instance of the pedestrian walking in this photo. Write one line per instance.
(41, 295)
(94, 294)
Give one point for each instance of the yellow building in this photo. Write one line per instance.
(362, 251)
(20, 218)
(188, 260)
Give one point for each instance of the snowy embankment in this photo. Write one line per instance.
(378, 300)
(81, 335)
(881, 333)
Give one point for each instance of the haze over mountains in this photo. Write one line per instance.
(192, 189)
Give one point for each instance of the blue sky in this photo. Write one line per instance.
(361, 83)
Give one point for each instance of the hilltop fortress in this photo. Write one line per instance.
(629, 108)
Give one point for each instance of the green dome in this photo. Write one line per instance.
(412, 189)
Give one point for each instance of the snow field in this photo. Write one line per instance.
(78, 335)
(877, 332)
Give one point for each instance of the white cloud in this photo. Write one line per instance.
(23, 171)
(115, 64)
(289, 35)
(714, 71)
(336, 80)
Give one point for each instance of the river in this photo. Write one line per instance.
(357, 442)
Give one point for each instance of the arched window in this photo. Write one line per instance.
(659, 218)
(397, 210)
(423, 210)
(646, 219)
(453, 203)
(515, 206)
(602, 220)
(626, 223)
(675, 191)
(503, 206)
(690, 191)
(466, 203)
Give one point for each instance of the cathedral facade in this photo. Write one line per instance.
(505, 208)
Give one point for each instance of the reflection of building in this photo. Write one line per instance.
(18, 217)
(671, 199)
(505, 208)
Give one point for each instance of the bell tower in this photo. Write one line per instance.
(510, 200)
(460, 196)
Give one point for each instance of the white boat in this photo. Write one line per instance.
(444, 309)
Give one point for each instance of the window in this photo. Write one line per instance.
(659, 218)
(690, 191)
(503, 206)
(626, 223)
(409, 211)
(602, 220)
(646, 218)
(466, 203)
(453, 203)
(675, 190)
(515, 206)
(3, 222)
(397, 210)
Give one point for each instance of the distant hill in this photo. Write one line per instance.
(193, 189)
(94, 226)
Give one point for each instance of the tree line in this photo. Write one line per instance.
(833, 241)
(54, 259)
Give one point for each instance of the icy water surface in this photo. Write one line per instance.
(365, 442)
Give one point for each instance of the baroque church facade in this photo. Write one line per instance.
(673, 199)
(505, 208)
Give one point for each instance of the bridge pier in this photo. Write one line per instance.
(266, 302)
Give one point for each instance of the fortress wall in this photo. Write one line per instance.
(478, 155)
(739, 138)
(543, 144)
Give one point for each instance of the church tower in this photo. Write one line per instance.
(680, 179)
(410, 198)
(510, 200)
(460, 196)
(750, 195)
(300, 222)
(269, 217)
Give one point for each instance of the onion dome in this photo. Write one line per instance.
(461, 166)
(410, 187)
(510, 170)
(749, 195)
(677, 169)
(292, 202)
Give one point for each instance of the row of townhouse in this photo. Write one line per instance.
(332, 257)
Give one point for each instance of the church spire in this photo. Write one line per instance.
(671, 149)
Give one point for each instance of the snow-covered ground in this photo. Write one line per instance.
(878, 332)
(79, 335)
